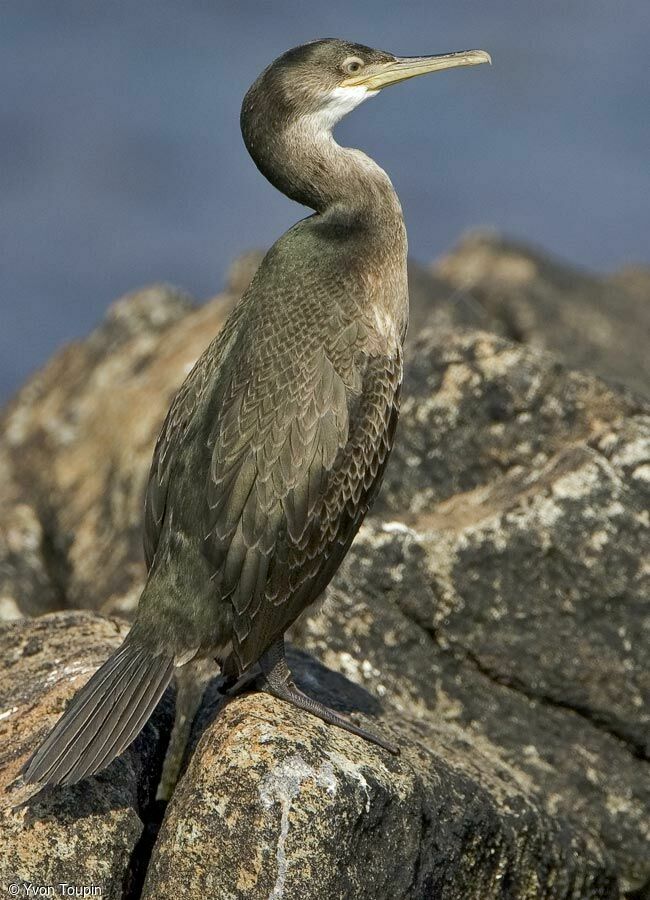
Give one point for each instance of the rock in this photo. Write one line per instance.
(276, 804)
(95, 833)
(77, 439)
(497, 599)
(476, 407)
(535, 485)
(432, 303)
(595, 323)
(379, 627)
(77, 446)
(492, 614)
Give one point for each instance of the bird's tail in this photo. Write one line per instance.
(104, 717)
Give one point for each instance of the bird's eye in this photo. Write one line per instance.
(352, 65)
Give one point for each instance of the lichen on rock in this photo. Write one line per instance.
(491, 616)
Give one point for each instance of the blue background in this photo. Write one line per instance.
(121, 161)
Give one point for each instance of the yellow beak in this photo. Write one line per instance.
(379, 76)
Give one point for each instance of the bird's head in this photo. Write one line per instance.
(288, 114)
(328, 78)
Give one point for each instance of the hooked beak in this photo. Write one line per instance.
(373, 78)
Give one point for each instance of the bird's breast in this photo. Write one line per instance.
(387, 327)
(384, 301)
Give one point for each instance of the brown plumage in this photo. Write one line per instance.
(275, 445)
(300, 401)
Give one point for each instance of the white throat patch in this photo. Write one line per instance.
(339, 103)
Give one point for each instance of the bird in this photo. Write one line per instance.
(275, 445)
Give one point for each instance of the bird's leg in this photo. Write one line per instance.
(279, 683)
(232, 685)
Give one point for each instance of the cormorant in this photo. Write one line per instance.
(275, 445)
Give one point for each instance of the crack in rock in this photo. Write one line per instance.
(636, 748)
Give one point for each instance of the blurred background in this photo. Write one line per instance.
(121, 161)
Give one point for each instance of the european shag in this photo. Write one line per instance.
(275, 445)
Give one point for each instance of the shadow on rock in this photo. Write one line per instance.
(311, 676)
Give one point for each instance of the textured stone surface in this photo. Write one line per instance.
(383, 628)
(76, 448)
(276, 804)
(476, 408)
(534, 484)
(497, 603)
(595, 323)
(94, 833)
(76, 442)
(492, 615)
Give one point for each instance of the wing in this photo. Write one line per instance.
(297, 458)
(181, 427)
(175, 428)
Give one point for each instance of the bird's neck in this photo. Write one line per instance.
(325, 175)
(303, 160)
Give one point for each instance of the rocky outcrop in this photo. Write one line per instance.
(491, 616)
(520, 562)
(95, 833)
(77, 443)
(77, 439)
(310, 811)
(533, 484)
(594, 323)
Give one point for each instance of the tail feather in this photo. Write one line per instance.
(128, 723)
(60, 742)
(126, 697)
(104, 717)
